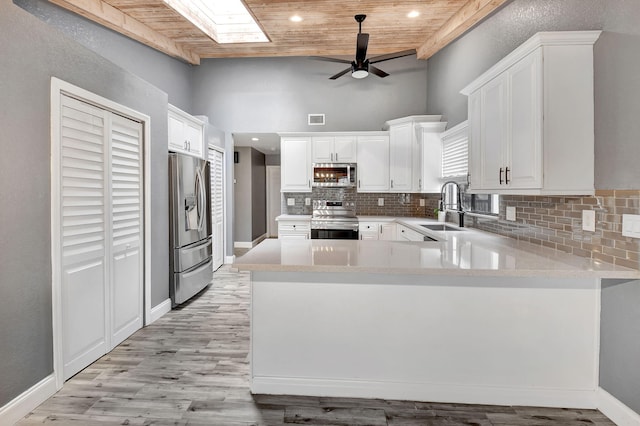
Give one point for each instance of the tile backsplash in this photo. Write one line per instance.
(556, 222)
(401, 205)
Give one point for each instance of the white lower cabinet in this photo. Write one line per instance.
(294, 229)
(377, 230)
(407, 234)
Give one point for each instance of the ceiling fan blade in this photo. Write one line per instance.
(322, 58)
(390, 56)
(340, 74)
(377, 71)
(361, 47)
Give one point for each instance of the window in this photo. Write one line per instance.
(455, 166)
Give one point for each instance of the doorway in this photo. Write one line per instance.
(274, 200)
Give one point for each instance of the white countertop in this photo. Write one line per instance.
(466, 252)
(294, 217)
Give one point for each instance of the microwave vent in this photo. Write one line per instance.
(315, 120)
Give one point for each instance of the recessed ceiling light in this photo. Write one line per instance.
(224, 21)
(255, 139)
(413, 14)
(296, 18)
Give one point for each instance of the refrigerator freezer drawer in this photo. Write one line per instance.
(188, 284)
(187, 257)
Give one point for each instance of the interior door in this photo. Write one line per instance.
(101, 230)
(216, 167)
(83, 234)
(127, 228)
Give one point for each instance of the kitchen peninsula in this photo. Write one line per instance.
(471, 317)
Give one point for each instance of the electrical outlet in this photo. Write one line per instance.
(589, 220)
(511, 214)
(380, 202)
(307, 201)
(291, 201)
(631, 225)
(421, 202)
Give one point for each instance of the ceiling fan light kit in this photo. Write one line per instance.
(361, 66)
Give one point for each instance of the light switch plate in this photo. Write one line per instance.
(307, 201)
(589, 220)
(380, 202)
(511, 213)
(421, 202)
(291, 201)
(631, 225)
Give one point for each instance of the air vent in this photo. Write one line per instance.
(316, 119)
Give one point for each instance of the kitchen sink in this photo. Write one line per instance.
(441, 227)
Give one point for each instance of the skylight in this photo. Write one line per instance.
(224, 21)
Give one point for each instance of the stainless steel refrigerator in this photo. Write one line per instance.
(189, 227)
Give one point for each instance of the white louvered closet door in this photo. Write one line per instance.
(101, 231)
(216, 161)
(126, 218)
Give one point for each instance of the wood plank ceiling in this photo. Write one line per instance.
(327, 29)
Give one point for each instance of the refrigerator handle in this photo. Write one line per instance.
(200, 197)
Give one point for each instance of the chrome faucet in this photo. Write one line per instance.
(443, 204)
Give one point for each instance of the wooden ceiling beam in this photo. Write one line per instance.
(111, 17)
(465, 18)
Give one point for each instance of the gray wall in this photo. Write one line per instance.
(616, 62)
(31, 53)
(169, 75)
(276, 94)
(258, 194)
(617, 108)
(620, 341)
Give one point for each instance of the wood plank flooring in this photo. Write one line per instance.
(191, 367)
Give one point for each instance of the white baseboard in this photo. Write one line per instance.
(433, 392)
(21, 405)
(159, 310)
(249, 244)
(618, 412)
(228, 260)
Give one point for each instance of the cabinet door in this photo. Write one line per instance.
(322, 149)
(177, 141)
(368, 230)
(295, 158)
(387, 231)
(494, 133)
(475, 142)
(373, 163)
(194, 138)
(345, 149)
(525, 149)
(401, 158)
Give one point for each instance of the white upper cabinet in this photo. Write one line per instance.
(373, 163)
(531, 119)
(334, 149)
(295, 160)
(186, 133)
(405, 152)
(430, 156)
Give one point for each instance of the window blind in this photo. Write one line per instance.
(455, 152)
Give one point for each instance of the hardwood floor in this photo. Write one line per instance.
(191, 367)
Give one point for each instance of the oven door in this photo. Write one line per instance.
(334, 234)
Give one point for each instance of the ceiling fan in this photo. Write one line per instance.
(361, 66)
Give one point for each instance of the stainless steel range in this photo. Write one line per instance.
(334, 220)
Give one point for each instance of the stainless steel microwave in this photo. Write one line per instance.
(337, 175)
